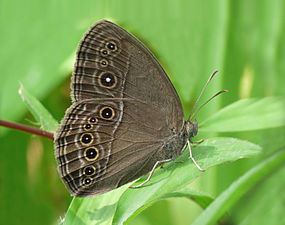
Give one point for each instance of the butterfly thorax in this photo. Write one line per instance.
(179, 141)
(175, 145)
(172, 147)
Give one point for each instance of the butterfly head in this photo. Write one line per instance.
(191, 128)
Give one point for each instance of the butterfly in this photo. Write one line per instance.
(126, 118)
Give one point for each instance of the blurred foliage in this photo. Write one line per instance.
(244, 40)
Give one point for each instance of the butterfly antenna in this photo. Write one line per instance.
(210, 78)
(217, 94)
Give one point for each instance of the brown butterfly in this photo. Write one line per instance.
(126, 117)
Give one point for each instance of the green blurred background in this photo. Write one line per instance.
(244, 40)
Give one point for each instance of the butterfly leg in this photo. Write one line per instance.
(151, 172)
(197, 142)
(191, 157)
(183, 149)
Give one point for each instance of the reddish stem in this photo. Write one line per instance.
(27, 129)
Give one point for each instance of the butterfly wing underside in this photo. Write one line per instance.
(124, 110)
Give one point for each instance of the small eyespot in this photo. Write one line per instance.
(87, 181)
(92, 120)
(104, 63)
(89, 170)
(104, 52)
(91, 154)
(86, 139)
(107, 113)
(87, 127)
(111, 46)
(107, 80)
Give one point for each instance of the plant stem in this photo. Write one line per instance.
(27, 129)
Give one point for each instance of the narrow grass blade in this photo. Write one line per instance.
(248, 114)
(238, 188)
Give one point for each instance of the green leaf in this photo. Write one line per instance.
(98, 210)
(199, 197)
(178, 174)
(48, 123)
(238, 188)
(257, 203)
(171, 178)
(248, 114)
